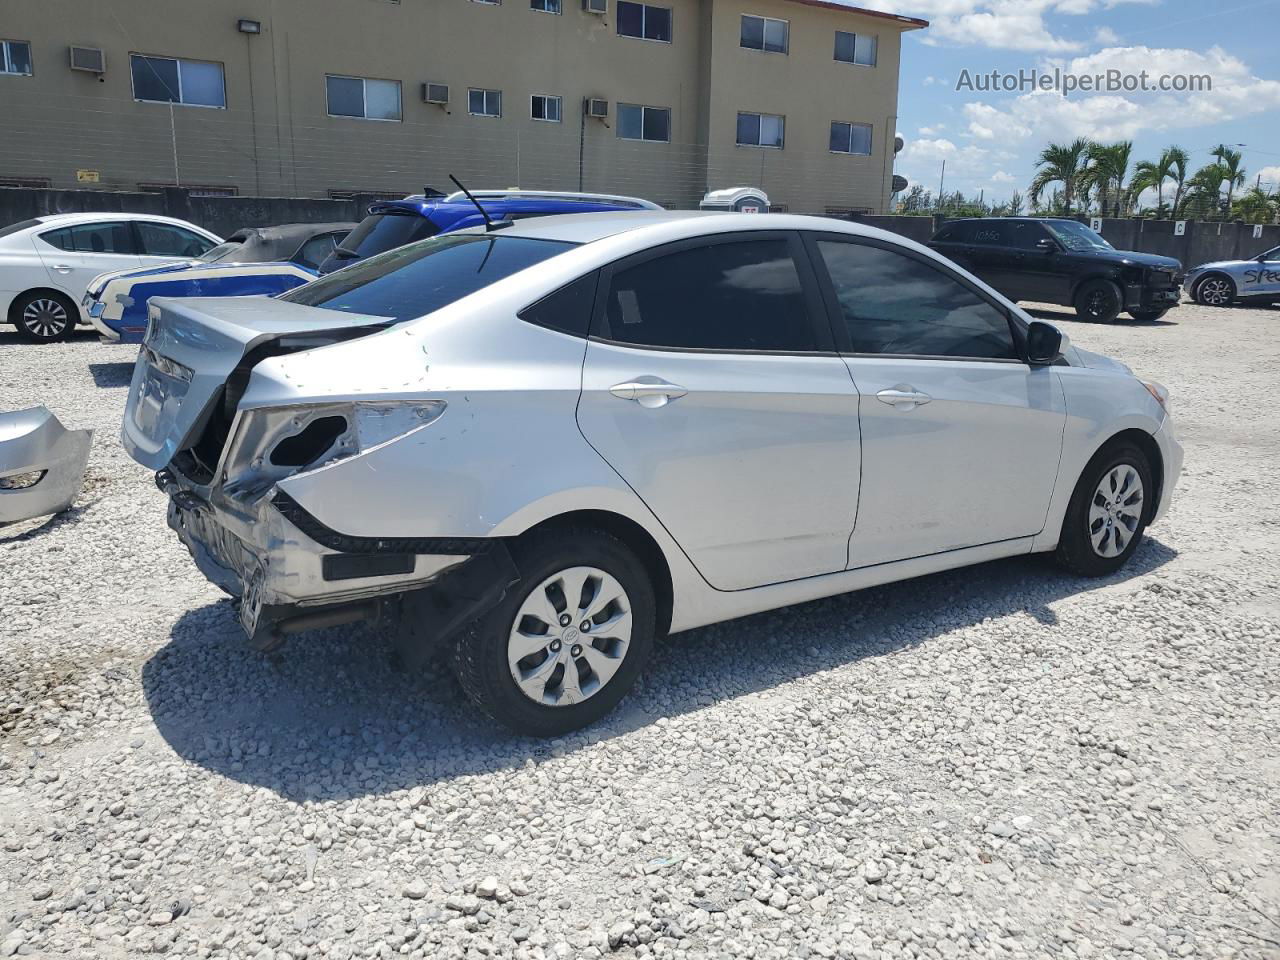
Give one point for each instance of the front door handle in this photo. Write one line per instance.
(903, 397)
(647, 391)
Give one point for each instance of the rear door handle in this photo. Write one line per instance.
(903, 397)
(648, 391)
(62, 268)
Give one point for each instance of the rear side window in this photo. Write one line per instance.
(897, 305)
(568, 309)
(312, 253)
(92, 238)
(167, 240)
(743, 295)
(381, 232)
(413, 281)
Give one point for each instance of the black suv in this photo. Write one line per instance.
(1051, 260)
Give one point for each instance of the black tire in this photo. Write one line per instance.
(1099, 301)
(43, 316)
(1075, 546)
(1220, 293)
(480, 654)
(1148, 316)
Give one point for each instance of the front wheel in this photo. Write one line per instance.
(44, 317)
(1215, 290)
(1108, 512)
(1099, 301)
(567, 642)
(1148, 316)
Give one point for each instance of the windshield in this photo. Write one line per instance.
(418, 279)
(222, 250)
(1076, 236)
(379, 233)
(1272, 254)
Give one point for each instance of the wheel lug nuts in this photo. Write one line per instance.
(576, 650)
(555, 646)
(585, 626)
(565, 619)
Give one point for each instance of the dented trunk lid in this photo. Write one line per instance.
(194, 345)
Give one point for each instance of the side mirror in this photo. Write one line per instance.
(1046, 245)
(1045, 342)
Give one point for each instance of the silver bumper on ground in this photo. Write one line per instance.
(41, 464)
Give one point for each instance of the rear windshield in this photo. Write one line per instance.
(418, 279)
(221, 251)
(379, 233)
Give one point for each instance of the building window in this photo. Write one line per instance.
(491, 3)
(761, 130)
(644, 123)
(765, 33)
(194, 83)
(15, 57)
(851, 138)
(484, 103)
(545, 108)
(363, 98)
(545, 6)
(31, 183)
(643, 21)
(857, 48)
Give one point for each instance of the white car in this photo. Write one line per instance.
(47, 263)
(544, 445)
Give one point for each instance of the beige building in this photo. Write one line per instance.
(330, 97)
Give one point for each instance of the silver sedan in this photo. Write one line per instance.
(1224, 282)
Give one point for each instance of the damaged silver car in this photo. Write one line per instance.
(544, 444)
(42, 464)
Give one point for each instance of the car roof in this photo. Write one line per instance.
(1030, 219)
(65, 219)
(497, 201)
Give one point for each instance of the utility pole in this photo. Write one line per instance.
(941, 180)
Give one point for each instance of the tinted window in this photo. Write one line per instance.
(895, 304)
(379, 233)
(1025, 234)
(415, 280)
(92, 238)
(952, 233)
(567, 310)
(743, 295)
(313, 252)
(1022, 234)
(166, 240)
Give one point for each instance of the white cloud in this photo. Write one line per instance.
(1106, 36)
(1001, 177)
(1270, 175)
(930, 131)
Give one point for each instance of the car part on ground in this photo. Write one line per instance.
(253, 262)
(1222, 282)
(1057, 260)
(42, 464)
(616, 400)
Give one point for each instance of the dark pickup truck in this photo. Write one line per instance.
(1052, 260)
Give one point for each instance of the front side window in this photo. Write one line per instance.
(109, 237)
(760, 130)
(859, 48)
(851, 138)
(897, 305)
(168, 240)
(420, 278)
(15, 57)
(314, 251)
(765, 33)
(643, 21)
(363, 98)
(196, 83)
(545, 6)
(543, 107)
(644, 123)
(484, 103)
(736, 296)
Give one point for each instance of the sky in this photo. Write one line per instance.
(990, 139)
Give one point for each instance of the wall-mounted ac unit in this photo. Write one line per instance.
(599, 7)
(89, 59)
(596, 108)
(435, 93)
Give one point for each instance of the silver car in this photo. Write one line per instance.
(541, 446)
(1224, 282)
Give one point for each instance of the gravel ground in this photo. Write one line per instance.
(1002, 761)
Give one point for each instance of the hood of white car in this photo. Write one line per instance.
(1099, 361)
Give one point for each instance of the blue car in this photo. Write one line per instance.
(258, 261)
(393, 223)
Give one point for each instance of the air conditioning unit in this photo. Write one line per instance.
(596, 108)
(598, 7)
(89, 59)
(435, 93)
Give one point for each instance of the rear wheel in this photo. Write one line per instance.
(566, 643)
(1099, 301)
(44, 317)
(1108, 512)
(1215, 290)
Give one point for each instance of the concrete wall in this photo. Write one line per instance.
(275, 138)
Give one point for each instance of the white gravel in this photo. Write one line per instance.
(1003, 761)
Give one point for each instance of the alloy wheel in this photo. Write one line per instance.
(570, 636)
(1116, 510)
(1216, 292)
(45, 318)
(1097, 303)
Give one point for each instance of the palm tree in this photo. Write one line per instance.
(1204, 190)
(1148, 174)
(1233, 173)
(1108, 165)
(1256, 206)
(1178, 171)
(1060, 163)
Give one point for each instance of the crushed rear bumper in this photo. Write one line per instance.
(42, 464)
